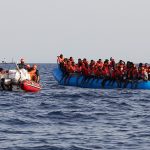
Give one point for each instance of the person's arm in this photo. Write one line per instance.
(38, 76)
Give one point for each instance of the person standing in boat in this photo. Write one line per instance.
(22, 64)
(34, 74)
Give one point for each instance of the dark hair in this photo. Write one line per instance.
(140, 64)
(1, 69)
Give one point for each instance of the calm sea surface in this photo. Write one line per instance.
(71, 118)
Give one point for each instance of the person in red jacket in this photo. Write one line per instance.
(98, 73)
(85, 73)
(119, 75)
(99, 63)
(70, 70)
(105, 72)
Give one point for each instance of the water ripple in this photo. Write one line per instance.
(71, 118)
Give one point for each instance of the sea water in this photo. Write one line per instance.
(72, 118)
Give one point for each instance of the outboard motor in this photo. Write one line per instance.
(13, 78)
(6, 84)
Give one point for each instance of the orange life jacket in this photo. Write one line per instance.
(78, 68)
(99, 64)
(85, 71)
(33, 75)
(60, 60)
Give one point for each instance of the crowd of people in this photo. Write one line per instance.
(107, 70)
(33, 71)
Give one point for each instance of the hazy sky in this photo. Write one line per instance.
(39, 30)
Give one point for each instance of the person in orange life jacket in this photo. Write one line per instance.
(85, 70)
(22, 64)
(71, 68)
(63, 66)
(85, 61)
(92, 69)
(34, 74)
(106, 72)
(85, 73)
(135, 77)
(92, 63)
(99, 63)
(121, 64)
(146, 67)
(140, 67)
(130, 74)
(94, 73)
(112, 79)
(78, 70)
(80, 62)
(119, 76)
(98, 73)
(112, 62)
(60, 60)
(64, 69)
(71, 59)
(134, 73)
(143, 74)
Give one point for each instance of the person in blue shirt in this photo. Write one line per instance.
(22, 64)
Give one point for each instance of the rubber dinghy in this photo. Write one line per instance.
(97, 84)
(18, 80)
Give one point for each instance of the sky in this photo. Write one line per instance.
(40, 30)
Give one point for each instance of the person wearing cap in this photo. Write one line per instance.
(34, 74)
(22, 64)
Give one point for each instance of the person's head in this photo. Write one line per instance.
(61, 56)
(146, 64)
(73, 63)
(1, 69)
(106, 61)
(100, 60)
(84, 60)
(71, 58)
(34, 66)
(28, 66)
(131, 64)
(79, 60)
(22, 61)
(140, 64)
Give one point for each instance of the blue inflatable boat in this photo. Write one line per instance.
(79, 81)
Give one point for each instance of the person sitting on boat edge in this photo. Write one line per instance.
(22, 64)
(60, 60)
(34, 74)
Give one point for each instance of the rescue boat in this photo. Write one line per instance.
(16, 80)
(97, 84)
(30, 86)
